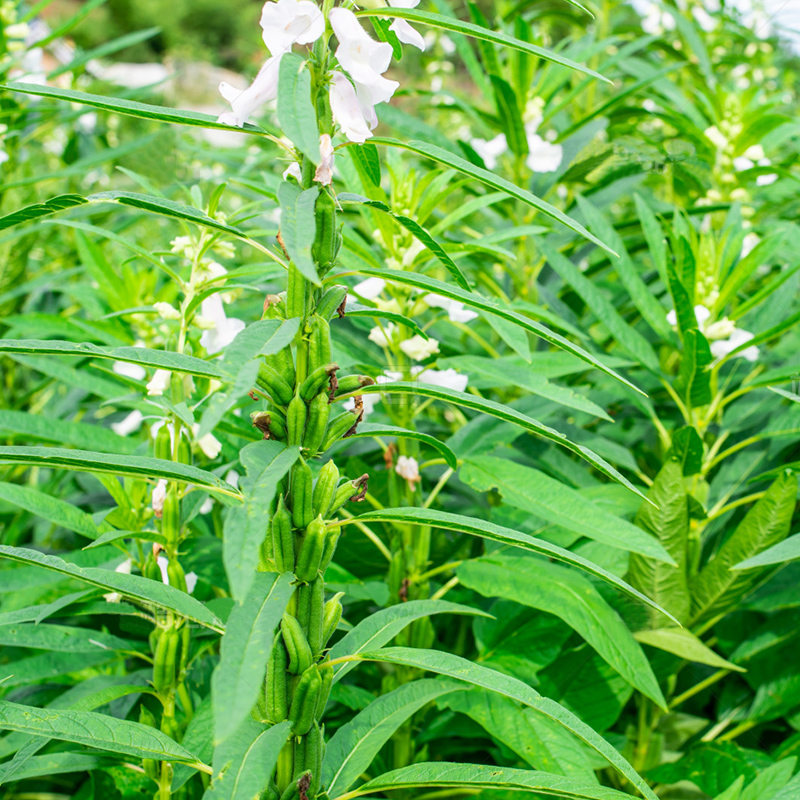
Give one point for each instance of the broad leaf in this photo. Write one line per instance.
(684, 644)
(787, 550)
(296, 114)
(298, 226)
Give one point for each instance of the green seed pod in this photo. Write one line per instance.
(186, 640)
(163, 446)
(351, 383)
(320, 377)
(285, 766)
(311, 551)
(302, 494)
(298, 789)
(325, 488)
(274, 384)
(297, 647)
(297, 294)
(331, 617)
(176, 575)
(296, 421)
(283, 363)
(319, 343)
(309, 752)
(326, 673)
(324, 248)
(310, 611)
(318, 412)
(171, 516)
(338, 427)
(304, 701)
(276, 688)
(331, 540)
(331, 301)
(164, 660)
(274, 307)
(282, 538)
(151, 568)
(184, 451)
(351, 490)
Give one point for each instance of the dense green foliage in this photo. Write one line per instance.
(469, 473)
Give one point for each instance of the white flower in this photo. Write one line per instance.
(324, 173)
(370, 288)
(755, 152)
(455, 309)
(125, 569)
(382, 336)
(740, 163)
(391, 376)
(129, 425)
(222, 329)
(716, 137)
(232, 477)
(244, 103)
(737, 338)
(361, 56)
(134, 371)
(400, 27)
(293, 170)
(701, 314)
(543, 156)
(766, 180)
(209, 444)
(163, 564)
(355, 119)
(408, 468)
(208, 504)
(167, 311)
(490, 151)
(183, 246)
(721, 329)
(704, 19)
(159, 383)
(749, 244)
(447, 378)
(419, 348)
(159, 496)
(289, 22)
(191, 581)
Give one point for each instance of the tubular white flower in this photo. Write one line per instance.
(455, 310)
(209, 443)
(159, 496)
(167, 311)
(370, 288)
(402, 29)
(419, 348)
(289, 22)
(382, 336)
(736, 339)
(129, 425)
(159, 383)
(163, 564)
(134, 371)
(490, 151)
(361, 56)
(191, 581)
(243, 104)
(324, 173)
(223, 329)
(355, 121)
(446, 378)
(542, 155)
(408, 468)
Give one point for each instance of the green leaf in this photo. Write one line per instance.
(245, 650)
(298, 226)
(37, 210)
(267, 463)
(419, 233)
(374, 429)
(96, 730)
(787, 550)
(539, 494)
(49, 765)
(129, 107)
(453, 666)
(354, 746)
(468, 777)
(510, 117)
(505, 413)
(295, 112)
(668, 523)
(477, 32)
(441, 156)
(687, 448)
(495, 533)
(628, 338)
(57, 511)
(694, 380)
(384, 625)
(107, 464)
(357, 310)
(573, 598)
(159, 359)
(115, 536)
(684, 644)
(150, 593)
(492, 307)
(718, 587)
(61, 638)
(244, 763)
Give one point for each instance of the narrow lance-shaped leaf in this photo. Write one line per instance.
(491, 307)
(374, 429)
(151, 593)
(295, 112)
(107, 464)
(497, 533)
(507, 414)
(454, 666)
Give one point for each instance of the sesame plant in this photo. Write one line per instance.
(453, 462)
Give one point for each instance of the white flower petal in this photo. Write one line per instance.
(407, 468)
(159, 383)
(129, 425)
(406, 34)
(370, 288)
(347, 111)
(243, 104)
(419, 348)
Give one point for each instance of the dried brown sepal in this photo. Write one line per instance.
(303, 785)
(362, 484)
(388, 456)
(283, 246)
(341, 310)
(261, 420)
(358, 413)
